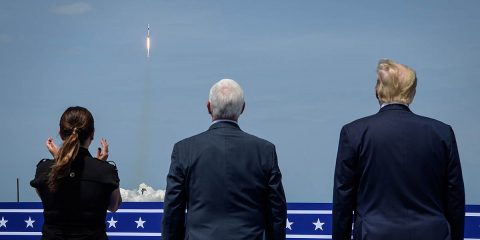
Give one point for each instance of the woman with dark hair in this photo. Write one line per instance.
(76, 189)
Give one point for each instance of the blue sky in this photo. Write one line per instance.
(307, 68)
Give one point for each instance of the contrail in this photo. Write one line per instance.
(148, 40)
(145, 125)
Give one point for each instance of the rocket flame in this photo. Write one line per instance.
(148, 46)
(148, 41)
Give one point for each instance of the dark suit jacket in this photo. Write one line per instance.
(230, 184)
(400, 173)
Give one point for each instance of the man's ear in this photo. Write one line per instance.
(243, 108)
(209, 108)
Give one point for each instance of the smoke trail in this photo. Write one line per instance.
(145, 125)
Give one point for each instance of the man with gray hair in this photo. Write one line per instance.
(228, 180)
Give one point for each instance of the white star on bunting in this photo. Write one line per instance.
(3, 222)
(289, 224)
(29, 222)
(112, 223)
(140, 222)
(318, 224)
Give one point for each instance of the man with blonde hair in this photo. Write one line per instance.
(228, 180)
(397, 174)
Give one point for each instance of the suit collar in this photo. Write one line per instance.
(224, 124)
(395, 107)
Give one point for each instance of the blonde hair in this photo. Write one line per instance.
(396, 83)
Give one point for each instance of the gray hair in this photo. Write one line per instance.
(226, 100)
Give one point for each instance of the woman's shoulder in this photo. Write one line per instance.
(45, 161)
(41, 174)
(101, 171)
(45, 164)
(101, 164)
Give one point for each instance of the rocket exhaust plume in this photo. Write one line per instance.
(148, 40)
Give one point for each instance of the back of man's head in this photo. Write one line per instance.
(226, 100)
(396, 83)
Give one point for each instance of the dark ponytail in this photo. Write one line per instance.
(76, 126)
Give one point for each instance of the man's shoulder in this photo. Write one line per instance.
(378, 117)
(431, 121)
(435, 125)
(256, 139)
(360, 121)
(193, 138)
(204, 136)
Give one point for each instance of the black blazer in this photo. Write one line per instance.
(78, 208)
(400, 173)
(230, 184)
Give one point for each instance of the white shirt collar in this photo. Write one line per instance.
(224, 120)
(390, 103)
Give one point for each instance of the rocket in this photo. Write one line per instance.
(148, 40)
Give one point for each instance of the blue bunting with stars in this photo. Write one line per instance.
(142, 220)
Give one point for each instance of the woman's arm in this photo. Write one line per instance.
(115, 200)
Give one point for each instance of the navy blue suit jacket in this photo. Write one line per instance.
(400, 174)
(229, 182)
